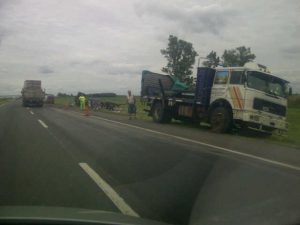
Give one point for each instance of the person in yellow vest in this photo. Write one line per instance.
(82, 102)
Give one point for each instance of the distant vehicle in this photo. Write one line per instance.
(224, 97)
(49, 99)
(32, 93)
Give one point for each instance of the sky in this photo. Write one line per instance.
(103, 46)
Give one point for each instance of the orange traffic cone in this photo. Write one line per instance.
(66, 106)
(86, 111)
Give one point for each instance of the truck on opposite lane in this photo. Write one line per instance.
(224, 97)
(32, 93)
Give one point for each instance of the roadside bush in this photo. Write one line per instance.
(95, 95)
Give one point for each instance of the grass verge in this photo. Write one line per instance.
(3, 100)
(292, 136)
(140, 114)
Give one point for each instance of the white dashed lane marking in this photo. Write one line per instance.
(109, 191)
(43, 124)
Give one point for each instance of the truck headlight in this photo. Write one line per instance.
(254, 118)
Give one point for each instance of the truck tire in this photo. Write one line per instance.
(167, 117)
(220, 120)
(159, 114)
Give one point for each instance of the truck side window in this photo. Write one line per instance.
(237, 77)
(221, 77)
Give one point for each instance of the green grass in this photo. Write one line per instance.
(68, 100)
(294, 101)
(141, 114)
(292, 137)
(3, 100)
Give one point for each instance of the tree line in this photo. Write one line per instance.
(93, 95)
(181, 57)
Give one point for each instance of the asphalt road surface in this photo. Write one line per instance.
(175, 174)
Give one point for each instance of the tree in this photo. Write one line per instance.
(59, 94)
(181, 56)
(212, 60)
(238, 56)
(245, 55)
(230, 58)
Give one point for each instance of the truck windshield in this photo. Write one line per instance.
(266, 83)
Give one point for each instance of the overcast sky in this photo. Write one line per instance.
(103, 46)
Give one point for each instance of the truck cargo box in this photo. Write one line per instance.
(32, 84)
(32, 93)
(205, 79)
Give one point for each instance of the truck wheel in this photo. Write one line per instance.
(220, 120)
(159, 114)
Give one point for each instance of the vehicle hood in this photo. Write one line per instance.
(54, 215)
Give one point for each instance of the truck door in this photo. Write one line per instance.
(236, 89)
(219, 89)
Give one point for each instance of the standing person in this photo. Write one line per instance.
(90, 103)
(82, 102)
(131, 105)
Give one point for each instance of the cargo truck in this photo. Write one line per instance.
(224, 97)
(32, 93)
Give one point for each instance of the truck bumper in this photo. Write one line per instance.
(32, 102)
(261, 121)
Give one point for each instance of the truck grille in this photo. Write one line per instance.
(270, 107)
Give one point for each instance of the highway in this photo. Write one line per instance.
(176, 174)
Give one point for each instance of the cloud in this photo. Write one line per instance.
(4, 4)
(293, 50)
(46, 70)
(211, 18)
(4, 32)
(89, 45)
(109, 68)
(1, 36)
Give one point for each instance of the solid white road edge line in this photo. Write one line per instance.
(109, 191)
(43, 124)
(32, 113)
(204, 144)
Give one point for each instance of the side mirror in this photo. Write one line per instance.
(244, 79)
(290, 91)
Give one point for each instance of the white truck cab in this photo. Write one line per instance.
(257, 98)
